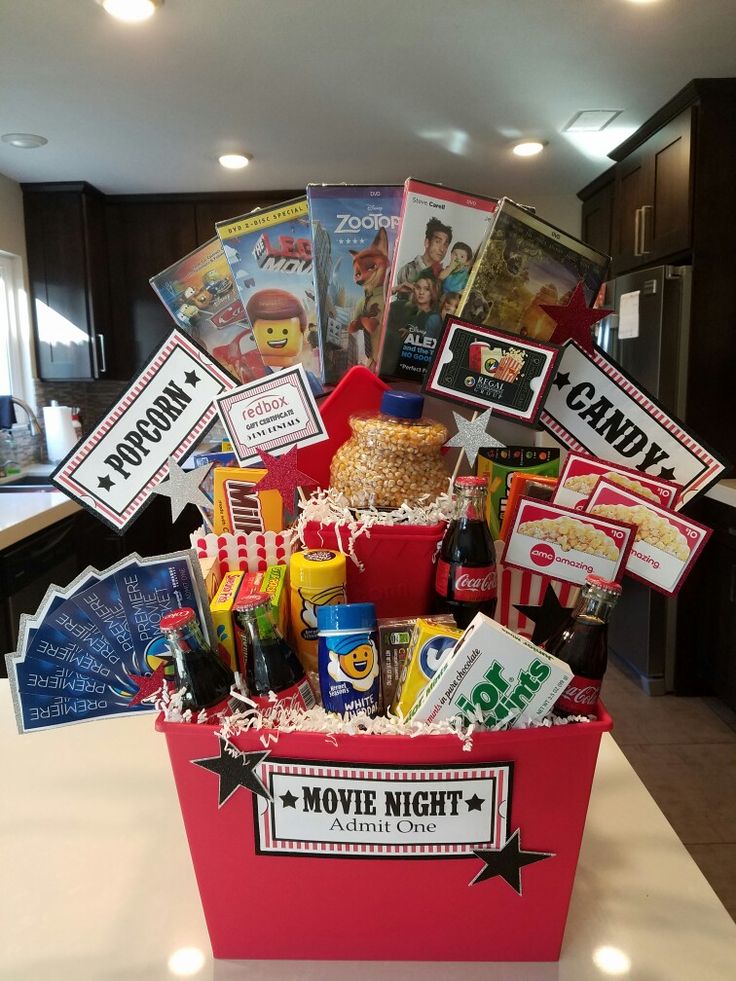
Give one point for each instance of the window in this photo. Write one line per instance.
(15, 333)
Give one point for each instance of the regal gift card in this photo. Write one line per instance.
(165, 413)
(565, 544)
(580, 473)
(666, 544)
(486, 368)
(272, 414)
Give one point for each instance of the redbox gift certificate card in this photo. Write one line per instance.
(486, 368)
(580, 474)
(272, 414)
(666, 544)
(565, 544)
(163, 414)
(593, 406)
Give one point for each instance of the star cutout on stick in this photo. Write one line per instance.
(191, 378)
(562, 378)
(235, 771)
(507, 862)
(148, 684)
(183, 488)
(288, 799)
(106, 482)
(574, 320)
(284, 475)
(474, 803)
(471, 435)
(547, 617)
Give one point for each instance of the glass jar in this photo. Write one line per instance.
(392, 457)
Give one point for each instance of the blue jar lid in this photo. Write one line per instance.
(403, 405)
(346, 616)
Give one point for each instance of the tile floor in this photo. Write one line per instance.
(684, 751)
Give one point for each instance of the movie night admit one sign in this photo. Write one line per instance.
(326, 809)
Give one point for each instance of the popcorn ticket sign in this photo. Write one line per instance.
(329, 809)
(566, 544)
(163, 414)
(594, 407)
(581, 473)
(273, 414)
(666, 544)
(486, 368)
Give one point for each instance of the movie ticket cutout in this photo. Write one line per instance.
(594, 407)
(565, 544)
(272, 413)
(580, 473)
(165, 412)
(666, 544)
(486, 368)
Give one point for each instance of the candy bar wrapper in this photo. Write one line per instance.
(520, 587)
(240, 507)
(494, 678)
(221, 608)
(667, 544)
(431, 644)
(499, 464)
(239, 552)
(580, 473)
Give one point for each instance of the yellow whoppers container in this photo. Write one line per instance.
(317, 578)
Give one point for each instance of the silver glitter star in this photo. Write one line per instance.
(183, 488)
(471, 435)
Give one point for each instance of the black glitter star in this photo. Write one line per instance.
(191, 378)
(474, 803)
(106, 482)
(507, 862)
(667, 473)
(288, 799)
(235, 771)
(562, 378)
(547, 617)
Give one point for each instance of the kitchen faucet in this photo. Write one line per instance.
(32, 419)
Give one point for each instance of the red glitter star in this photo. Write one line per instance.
(574, 320)
(148, 684)
(284, 475)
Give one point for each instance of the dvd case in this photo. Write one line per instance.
(523, 263)
(354, 229)
(270, 255)
(440, 232)
(199, 293)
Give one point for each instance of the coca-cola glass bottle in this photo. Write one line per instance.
(200, 673)
(265, 659)
(465, 581)
(582, 643)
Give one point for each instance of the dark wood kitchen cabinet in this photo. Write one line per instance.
(597, 225)
(68, 266)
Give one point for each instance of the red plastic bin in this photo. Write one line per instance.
(312, 906)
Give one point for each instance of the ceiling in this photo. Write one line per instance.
(342, 90)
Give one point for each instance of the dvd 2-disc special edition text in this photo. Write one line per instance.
(524, 263)
(440, 232)
(354, 230)
(199, 292)
(270, 255)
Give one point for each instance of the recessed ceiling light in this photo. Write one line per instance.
(235, 161)
(528, 148)
(591, 120)
(131, 11)
(24, 141)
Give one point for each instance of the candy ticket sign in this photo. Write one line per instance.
(593, 406)
(164, 413)
(324, 809)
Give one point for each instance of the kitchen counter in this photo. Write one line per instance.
(23, 513)
(98, 882)
(724, 491)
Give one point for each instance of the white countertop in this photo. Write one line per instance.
(97, 881)
(724, 491)
(23, 513)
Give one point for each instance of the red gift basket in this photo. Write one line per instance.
(270, 889)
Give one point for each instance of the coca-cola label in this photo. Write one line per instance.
(472, 584)
(580, 696)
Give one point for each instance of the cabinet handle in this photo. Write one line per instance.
(103, 357)
(643, 245)
(637, 229)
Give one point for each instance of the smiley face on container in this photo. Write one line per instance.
(353, 659)
(358, 662)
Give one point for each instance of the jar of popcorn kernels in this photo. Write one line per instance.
(392, 457)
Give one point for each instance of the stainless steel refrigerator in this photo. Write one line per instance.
(648, 334)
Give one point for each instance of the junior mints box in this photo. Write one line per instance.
(495, 674)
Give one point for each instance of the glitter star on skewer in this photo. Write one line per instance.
(471, 435)
(183, 488)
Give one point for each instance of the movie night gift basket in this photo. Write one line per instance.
(378, 677)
